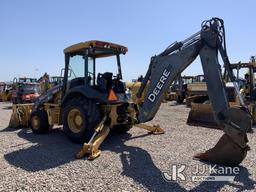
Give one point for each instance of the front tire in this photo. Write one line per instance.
(39, 122)
(80, 118)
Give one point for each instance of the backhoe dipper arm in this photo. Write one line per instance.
(165, 67)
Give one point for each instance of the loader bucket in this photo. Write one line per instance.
(201, 114)
(20, 115)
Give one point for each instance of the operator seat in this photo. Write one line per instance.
(104, 82)
(118, 85)
(78, 82)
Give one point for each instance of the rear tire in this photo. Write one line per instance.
(39, 122)
(80, 118)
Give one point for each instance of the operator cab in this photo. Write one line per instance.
(56, 80)
(82, 70)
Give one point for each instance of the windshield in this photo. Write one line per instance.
(27, 80)
(57, 80)
(200, 78)
(29, 88)
(188, 80)
(106, 64)
(76, 67)
(96, 66)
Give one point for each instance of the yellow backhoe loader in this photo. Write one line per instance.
(177, 91)
(188, 88)
(89, 104)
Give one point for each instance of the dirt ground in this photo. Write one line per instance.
(134, 161)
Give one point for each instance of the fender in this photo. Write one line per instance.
(85, 91)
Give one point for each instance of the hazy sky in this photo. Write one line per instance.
(34, 33)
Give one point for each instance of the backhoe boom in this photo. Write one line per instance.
(165, 67)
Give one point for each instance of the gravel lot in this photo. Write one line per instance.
(129, 162)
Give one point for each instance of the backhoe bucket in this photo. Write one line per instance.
(20, 115)
(225, 152)
(201, 115)
(232, 147)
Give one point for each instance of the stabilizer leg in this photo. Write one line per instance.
(92, 147)
(155, 129)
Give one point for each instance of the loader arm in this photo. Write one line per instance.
(165, 67)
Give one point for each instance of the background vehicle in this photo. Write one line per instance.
(25, 80)
(201, 113)
(46, 82)
(178, 88)
(92, 104)
(56, 80)
(25, 90)
(188, 88)
(5, 91)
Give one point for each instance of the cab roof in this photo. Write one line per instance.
(100, 48)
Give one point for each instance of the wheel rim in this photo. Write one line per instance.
(35, 122)
(75, 120)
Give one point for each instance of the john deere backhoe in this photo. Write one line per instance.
(92, 104)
